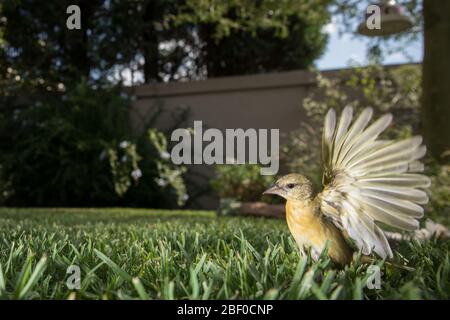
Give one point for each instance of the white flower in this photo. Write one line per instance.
(136, 174)
(161, 182)
(61, 87)
(165, 155)
(124, 144)
(124, 158)
(175, 173)
(185, 197)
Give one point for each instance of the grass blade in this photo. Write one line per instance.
(140, 288)
(118, 270)
(35, 276)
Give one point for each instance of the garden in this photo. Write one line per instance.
(92, 208)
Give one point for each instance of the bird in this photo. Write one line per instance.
(369, 185)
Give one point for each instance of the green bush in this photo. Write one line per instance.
(77, 149)
(240, 182)
(439, 206)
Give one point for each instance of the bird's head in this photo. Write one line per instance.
(292, 187)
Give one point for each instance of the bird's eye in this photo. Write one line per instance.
(290, 185)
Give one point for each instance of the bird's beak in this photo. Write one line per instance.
(273, 190)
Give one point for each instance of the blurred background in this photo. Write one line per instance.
(86, 114)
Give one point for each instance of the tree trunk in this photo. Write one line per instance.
(436, 78)
(150, 44)
(151, 53)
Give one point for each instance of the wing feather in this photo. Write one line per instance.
(374, 235)
(359, 125)
(401, 149)
(341, 131)
(400, 193)
(371, 180)
(365, 140)
(398, 180)
(327, 140)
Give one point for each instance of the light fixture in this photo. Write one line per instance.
(392, 20)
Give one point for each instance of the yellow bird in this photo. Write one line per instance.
(367, 183)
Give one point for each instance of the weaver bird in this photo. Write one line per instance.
(367, 182)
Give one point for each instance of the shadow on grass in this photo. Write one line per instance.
(69, 216)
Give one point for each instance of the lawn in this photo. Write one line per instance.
(157, 254)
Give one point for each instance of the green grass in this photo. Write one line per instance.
(133, 254)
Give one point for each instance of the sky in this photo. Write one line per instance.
(347, 49)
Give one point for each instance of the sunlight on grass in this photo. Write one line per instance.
(157, 254)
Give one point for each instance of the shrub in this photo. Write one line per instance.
(77, 149)
(240, 182)
(439, 206)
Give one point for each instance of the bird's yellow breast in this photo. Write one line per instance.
(311, 230)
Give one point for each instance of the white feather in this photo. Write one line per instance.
(372, 180)
(357, 127)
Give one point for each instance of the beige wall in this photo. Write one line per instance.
(257, 101)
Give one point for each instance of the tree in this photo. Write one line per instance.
(162, 40)
(38, 48)
(436, 78)
(246, 37)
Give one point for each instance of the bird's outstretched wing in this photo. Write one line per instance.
(367, 180)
